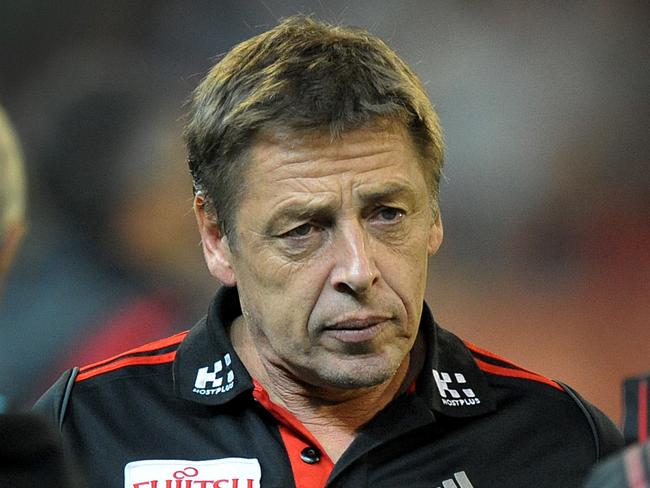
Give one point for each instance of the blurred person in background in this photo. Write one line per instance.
(316, 157)
(31, 453)
(110, 264)
(631, 468)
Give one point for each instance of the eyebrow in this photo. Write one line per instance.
(306, 210)
(312, 210)
(387, 191)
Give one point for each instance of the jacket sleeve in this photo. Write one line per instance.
(609, 436)
(54, 402)
(608, 439)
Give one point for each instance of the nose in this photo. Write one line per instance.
(355, 269)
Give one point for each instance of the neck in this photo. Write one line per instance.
(333, 415)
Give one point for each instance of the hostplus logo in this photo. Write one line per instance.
(210, 379)
(460, 480)
(460, 395)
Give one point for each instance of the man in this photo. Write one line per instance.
(30, 451)
(316, 158)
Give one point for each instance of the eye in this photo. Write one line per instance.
(304, 230)
(389, 214)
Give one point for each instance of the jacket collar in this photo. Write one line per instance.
(451, 381)
(207, 370)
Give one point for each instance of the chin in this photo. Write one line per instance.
(354, 375)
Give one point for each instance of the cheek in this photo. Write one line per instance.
(280, 275)
(405, 272)
(283, 293)
(406, 278)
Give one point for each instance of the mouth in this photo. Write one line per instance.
(356, 329)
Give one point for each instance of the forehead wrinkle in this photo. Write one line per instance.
(305, 189)
(331, 193)
(357, 170)
(308, 199)
(318, 163)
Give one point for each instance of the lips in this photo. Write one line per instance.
(356, 329)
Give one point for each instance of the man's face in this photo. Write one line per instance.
(333, 238)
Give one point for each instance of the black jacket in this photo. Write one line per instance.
(184, 412)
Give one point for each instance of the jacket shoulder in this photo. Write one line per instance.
(606, 437)
(157, 352)
(55, 401)
(494, 365)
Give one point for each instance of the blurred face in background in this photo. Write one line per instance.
(330, 256)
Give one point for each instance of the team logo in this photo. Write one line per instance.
(458, 396)
(173, 473)
(460, 480)
(210, 379)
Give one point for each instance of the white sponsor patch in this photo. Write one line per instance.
(176, 473)
(210, 379)
(458, 396)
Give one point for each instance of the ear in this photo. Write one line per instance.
(216, 250)
(435, 235)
